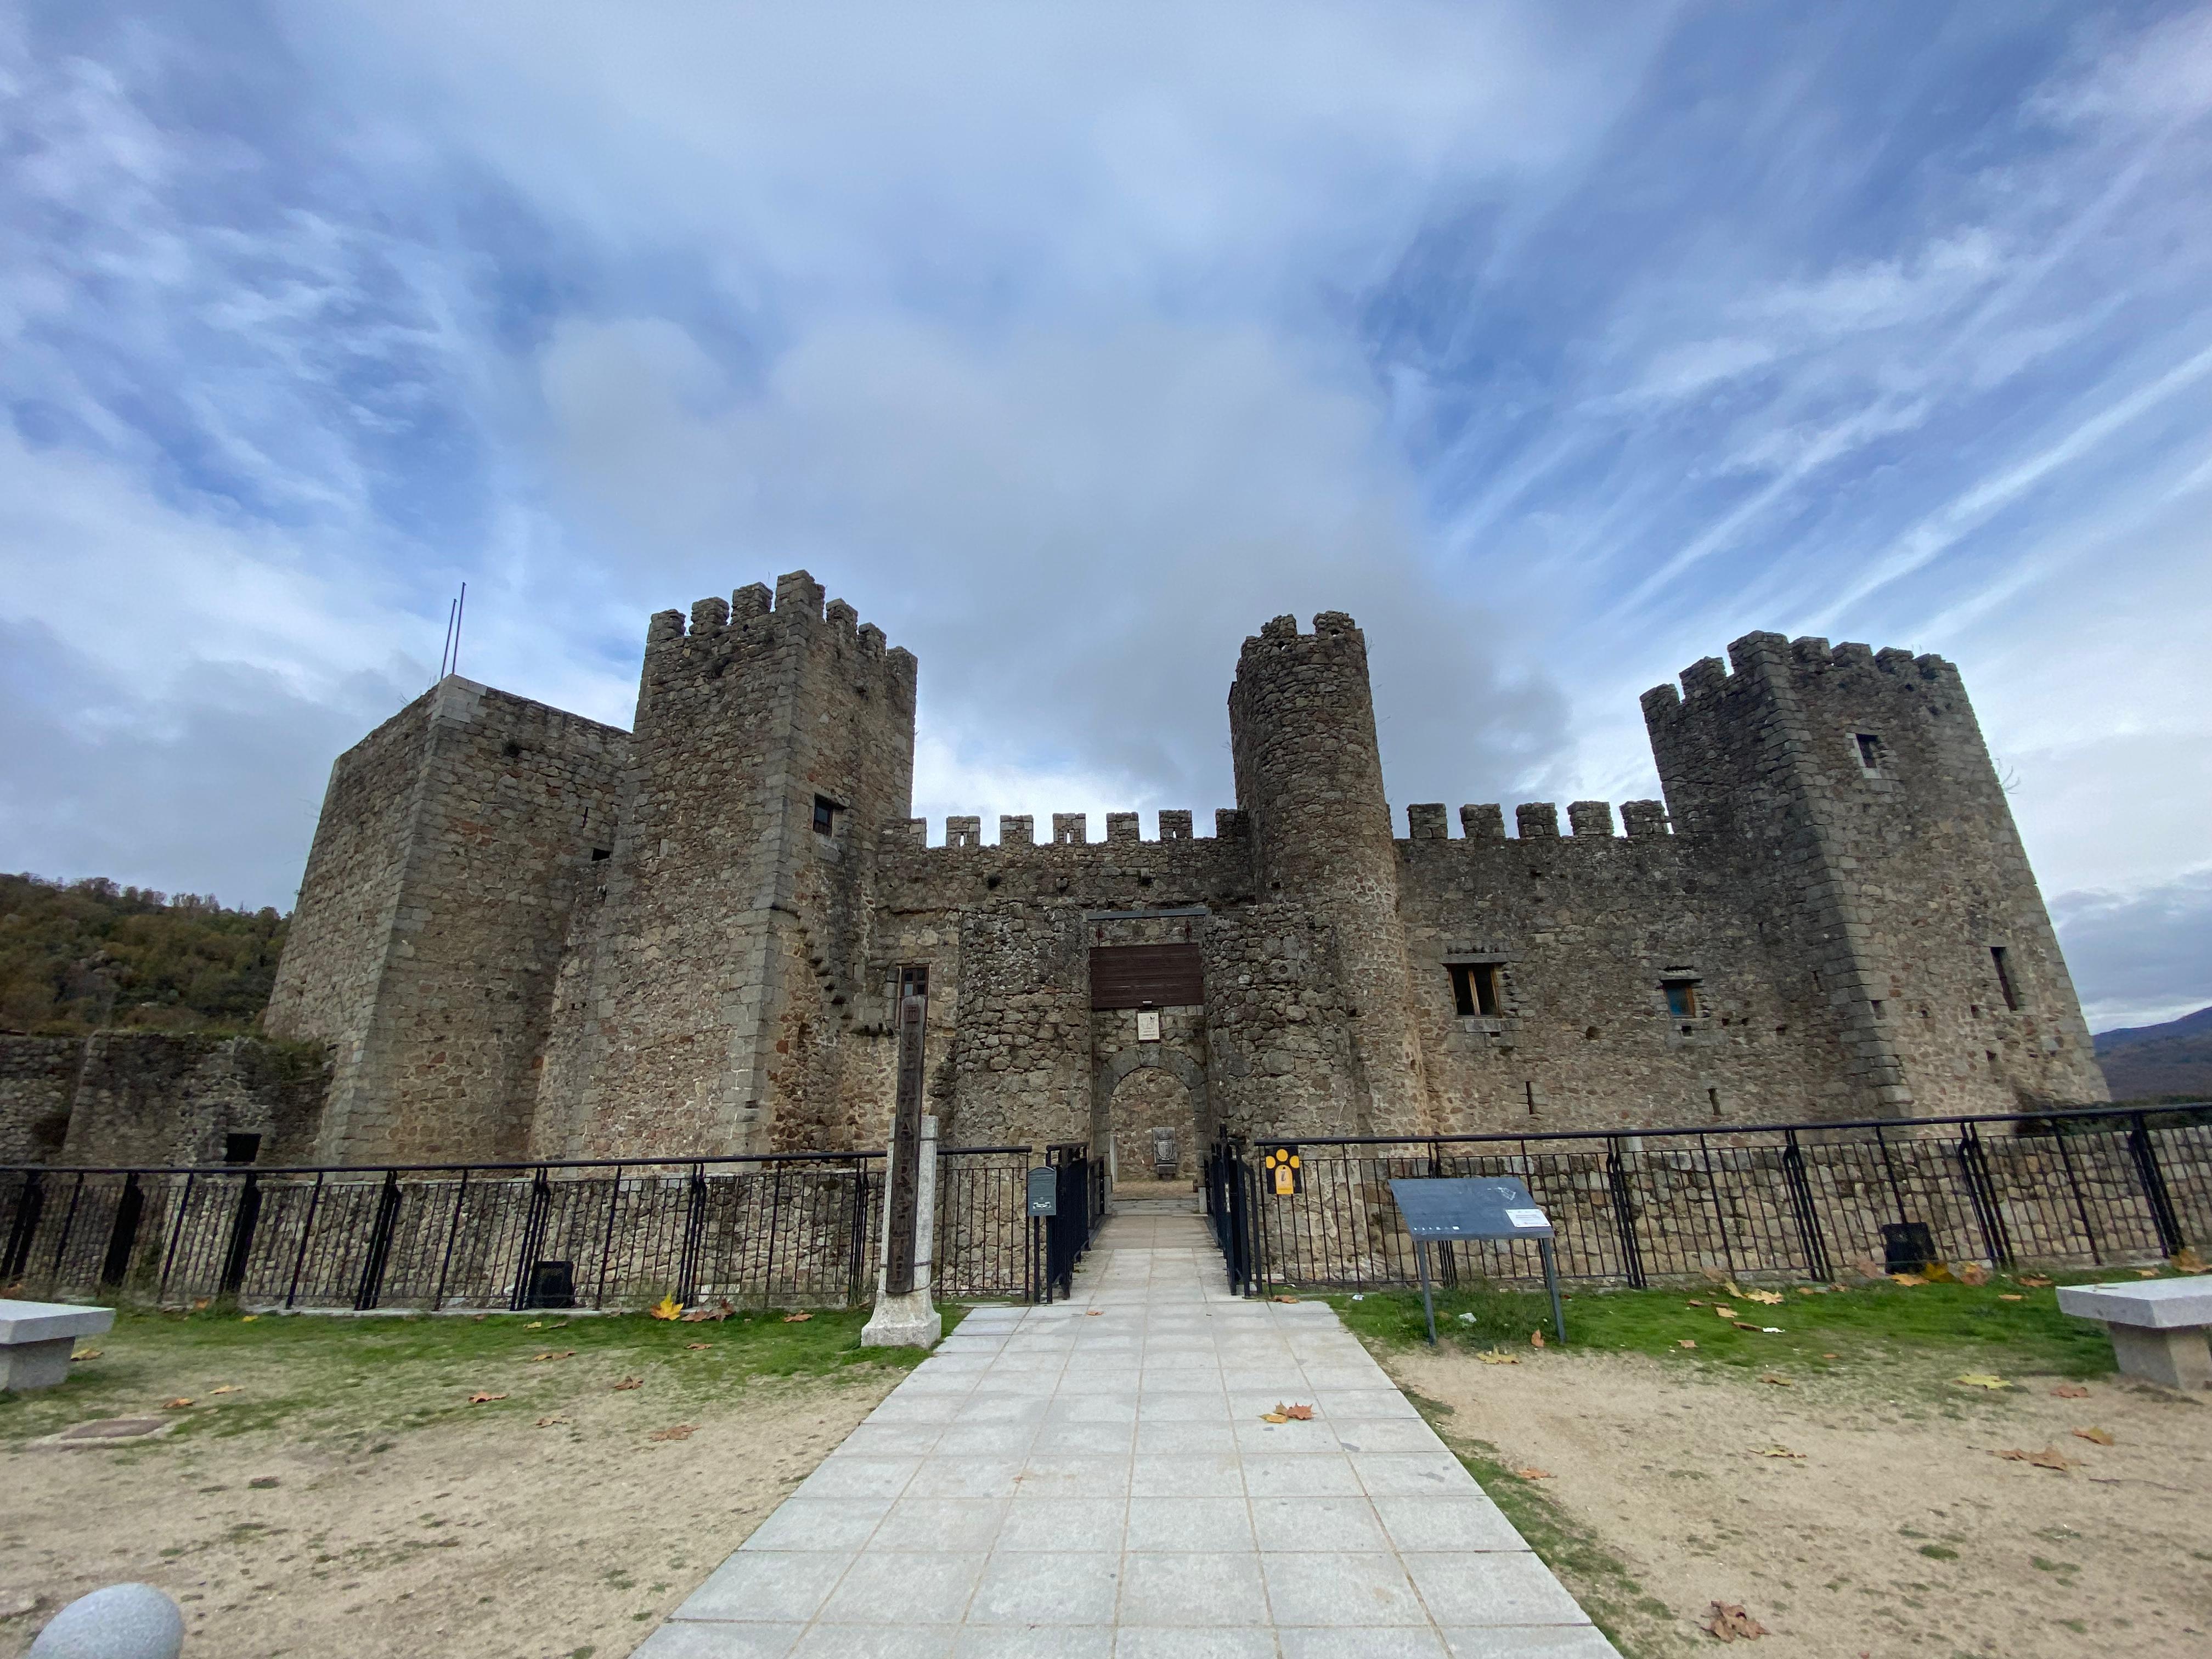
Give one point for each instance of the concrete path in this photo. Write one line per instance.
(1093, 1480)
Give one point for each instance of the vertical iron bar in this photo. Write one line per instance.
(1616, 1175)
(453, 1232)
(2170, 1240)
(1801, 1201)
(607, 1240)
(1720, 1221)
(1981, 1192)
(69, 1224)
(176, 1235)
(306, 1232)
(2073, 1185)
(243, 1220)
(371, 1287)
(28, 1204)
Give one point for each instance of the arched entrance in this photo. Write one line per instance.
(1147, 1089)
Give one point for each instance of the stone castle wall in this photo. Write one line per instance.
(431, 972)
(523, 933)
(149, 1097)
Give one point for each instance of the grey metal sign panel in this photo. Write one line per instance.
(1044, 1192)
(1468, 1206)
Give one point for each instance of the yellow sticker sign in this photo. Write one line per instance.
(1281, 1164)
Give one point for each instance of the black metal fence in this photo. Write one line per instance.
(1797, 1201)
(793, 1230)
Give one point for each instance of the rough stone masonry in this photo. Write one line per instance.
(526, 934)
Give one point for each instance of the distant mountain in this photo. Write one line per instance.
(2145, 1062)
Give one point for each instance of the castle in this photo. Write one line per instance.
(528, 935)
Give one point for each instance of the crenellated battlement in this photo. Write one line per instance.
(965, 832)
(1587, 820)
(1709, 680)
(754, 617)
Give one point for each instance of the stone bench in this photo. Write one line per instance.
(2159, 1327)
(36, 1337)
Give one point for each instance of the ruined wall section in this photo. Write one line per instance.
(159, 1098)
(1310, 778)
(1585, 931)
(1884, 872)
(712, 983)
(38, 1085)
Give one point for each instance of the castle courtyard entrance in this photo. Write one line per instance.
(1149, 1107)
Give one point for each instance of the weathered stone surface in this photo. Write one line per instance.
(123, 1621)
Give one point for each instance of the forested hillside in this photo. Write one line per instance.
(84, 955)
(2155, 1063)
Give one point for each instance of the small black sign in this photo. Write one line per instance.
(1044, 1192)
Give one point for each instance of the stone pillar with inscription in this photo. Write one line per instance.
(905, 1316)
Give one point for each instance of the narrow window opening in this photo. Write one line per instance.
(1713, 1099)
(1874, 1003)
(1589, 1034)
(1681, 998)
(825, 815)
(1529, 1089)
(600, 854)
(1869, 753)
(1477, 989)
(240, 1148)
(913, 981)
(2003, 964)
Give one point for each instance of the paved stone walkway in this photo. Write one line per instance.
(1092, 1480)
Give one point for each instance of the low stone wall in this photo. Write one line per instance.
(150, 1098)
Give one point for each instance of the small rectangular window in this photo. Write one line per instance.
(1869, 753)
(240, 1148)
(825, 815)
(913, 981)
(2003, 965)
(1681, 998)
(1476, 989)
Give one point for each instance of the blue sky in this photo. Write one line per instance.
(1560, 344)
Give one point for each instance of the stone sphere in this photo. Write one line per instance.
(123, 1621)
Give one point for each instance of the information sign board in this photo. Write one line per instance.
(1444, 1209)
(1044, 1192)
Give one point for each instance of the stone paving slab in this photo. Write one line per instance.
(1094, 1478)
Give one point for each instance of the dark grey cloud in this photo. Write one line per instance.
(2142, 958)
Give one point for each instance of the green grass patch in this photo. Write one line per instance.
(1833, 1328)
(355, 1383)
(1637, 1623)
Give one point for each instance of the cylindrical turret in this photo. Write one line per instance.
(1310, 776)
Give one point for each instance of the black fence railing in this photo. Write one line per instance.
(791, 1230)
(2077, 1188)
(1078, 1200)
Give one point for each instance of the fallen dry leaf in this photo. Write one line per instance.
(535, 1325)
(1778, 1381)
(1696, 1304)
(1746, 1325)
(547, 1422)
(1780, 1451)
(2032, 1283)
(554, 1354)
(228, 1388)
(1295, 1413)
(484, 1399)
(1810, 1290)
(247, 1319)
(698, 1344)
(630, 1382)
(1092, 1313)
(1867, 1267)
(675, 1431)
(1936, 1272)
(1716, 1275)
(1533, 1474)
(90, 1353)
(1982, 1380)
(1970, 1274)
(2186, 1260)
(1272, 1416)
(2070, 1391)
(1686, 1342)
(667, 1308)
(2100, 1436)
(797, 1318)
(2146, 1272)
(1831, 1356)
(2010, 1296)
(1536, 1339)
(1731, 1623)
(720, 1310)
(176, 1405)
(201, 1303)
(1497, 1356)
(2049, 1458)
(1286, 1298)
(1908, 1278)
(1724, 1312)
(1771, 1298)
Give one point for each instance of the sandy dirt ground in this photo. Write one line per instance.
(486, 1537)
(1896, 1533)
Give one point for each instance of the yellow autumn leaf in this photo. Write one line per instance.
(1272, 1416)
(1982, 1380)
(1497, 1356)
(2100, 1436)
(667, 1308)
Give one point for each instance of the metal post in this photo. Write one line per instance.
(1428, 1303)
(1551, 1284)
(1616, 1176)
(371, 1288)
(2170, 1239)
(306, 1232)
(453, 1232)
(243, 1221)
(1800, 1188)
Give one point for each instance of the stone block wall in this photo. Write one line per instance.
(38, 1085)
(149, 1097)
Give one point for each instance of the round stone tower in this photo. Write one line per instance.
(1310, 781)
